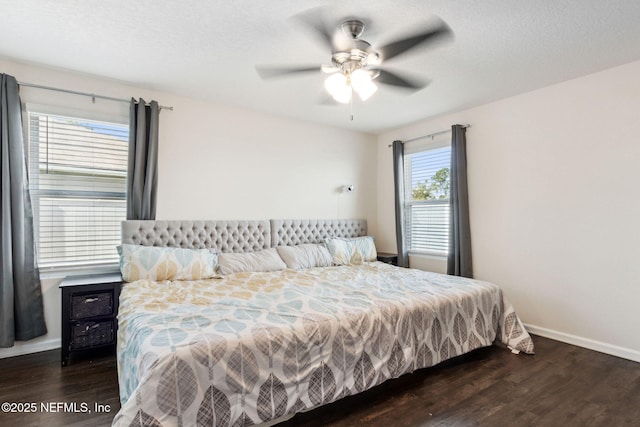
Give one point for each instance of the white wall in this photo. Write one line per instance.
(219, 162)
(228, 163)
(553, 180)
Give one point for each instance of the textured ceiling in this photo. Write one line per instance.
(209, 49)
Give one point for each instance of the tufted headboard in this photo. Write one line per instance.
(290, 232)
(222, 236)
(238, 236)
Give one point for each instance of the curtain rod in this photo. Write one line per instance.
(431, 135)
(92, 95)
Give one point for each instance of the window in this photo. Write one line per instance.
(77, 178)
(427, 197)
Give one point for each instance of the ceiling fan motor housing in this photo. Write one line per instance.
(354, 53)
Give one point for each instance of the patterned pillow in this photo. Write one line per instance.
(352, 251)
(156, 263)
(264, 260)
(307, 255)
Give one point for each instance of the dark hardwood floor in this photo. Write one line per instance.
(39, 378)
(561, 385)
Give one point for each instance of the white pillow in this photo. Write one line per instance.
(160, 263)
(265, 260)
(307, 255)
(352, 251)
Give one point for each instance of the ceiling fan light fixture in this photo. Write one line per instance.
(362, 84)
(338, 87)
(367, 91)
(360, 79)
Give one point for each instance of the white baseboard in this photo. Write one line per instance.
(614, 350)
(29, 348)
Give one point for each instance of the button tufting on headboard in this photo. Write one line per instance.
(291, 232)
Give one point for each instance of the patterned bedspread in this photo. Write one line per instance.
(252, 347)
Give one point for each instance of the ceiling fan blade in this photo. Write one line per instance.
(267, 72)
(329, 69)
(314, 19)
(394, 79)
(434, 34)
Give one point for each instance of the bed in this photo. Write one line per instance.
(256, 347)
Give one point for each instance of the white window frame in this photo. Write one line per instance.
(89, 116)
(410, 148)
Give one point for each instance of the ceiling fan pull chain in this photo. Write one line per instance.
(351, 103)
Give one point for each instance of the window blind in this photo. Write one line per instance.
(78, 172)
(427, 199)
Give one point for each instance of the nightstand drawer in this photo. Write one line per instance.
(89, 334)
(92, 305)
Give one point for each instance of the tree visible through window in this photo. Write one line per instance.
(437, 187)
(78, 171)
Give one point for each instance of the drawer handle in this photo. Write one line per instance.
(90, 299)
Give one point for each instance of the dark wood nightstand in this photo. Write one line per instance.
(388, 258)
(89, 310)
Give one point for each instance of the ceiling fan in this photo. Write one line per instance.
(356, 66)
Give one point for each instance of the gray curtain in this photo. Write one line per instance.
(459, 258)
(142, 174)
(21, 311)
(398, 181)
